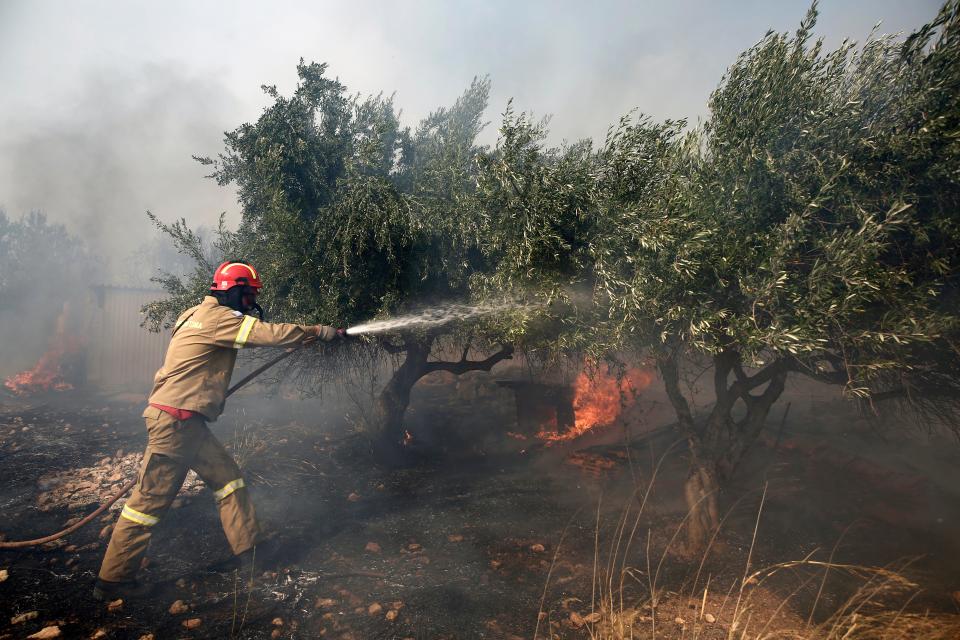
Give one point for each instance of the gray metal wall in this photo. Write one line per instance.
(122, 356)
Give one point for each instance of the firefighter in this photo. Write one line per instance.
(189, 391)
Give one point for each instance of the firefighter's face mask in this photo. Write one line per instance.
(242, 298)
(248, 299)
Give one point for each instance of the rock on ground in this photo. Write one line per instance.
(24, 617)
(178, 607)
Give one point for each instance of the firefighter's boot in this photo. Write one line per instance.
(105, 591)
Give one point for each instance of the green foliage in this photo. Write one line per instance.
(810, 221)
(537, 205)
(185, 291)
(536, 216)
(346, 213)
(816, 233)
(808, 224)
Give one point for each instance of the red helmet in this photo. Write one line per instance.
(230, 274)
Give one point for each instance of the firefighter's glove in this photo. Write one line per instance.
(322, 332)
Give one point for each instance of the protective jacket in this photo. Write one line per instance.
(196, 371)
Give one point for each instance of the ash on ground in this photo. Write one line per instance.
(484, 543)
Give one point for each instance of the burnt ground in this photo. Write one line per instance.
(465, 542)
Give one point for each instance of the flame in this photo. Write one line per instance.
(50, 372)
(599, 398)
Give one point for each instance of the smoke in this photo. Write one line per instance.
(124, 147)
(94, 160)
(42, 268)
(96, 130)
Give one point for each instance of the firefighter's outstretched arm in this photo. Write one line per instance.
(240, 331)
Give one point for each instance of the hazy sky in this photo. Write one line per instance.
(103, 103)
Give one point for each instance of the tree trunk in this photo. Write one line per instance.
(701, 493)
(718, 448)
(733, 440)
(701, 490)
(391, 405)
(389, 445)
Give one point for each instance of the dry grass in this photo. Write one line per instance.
(892, 625)
(246, 444)
(629, 602)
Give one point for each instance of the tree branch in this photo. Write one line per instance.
(389, 347)
(839, 375)
(916, 394)
(723, 362)
(739, 372)
(668, 363)
(827, 377)
(777, 367)
(464, 365)
(749, 428)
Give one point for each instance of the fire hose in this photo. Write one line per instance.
(127, 487)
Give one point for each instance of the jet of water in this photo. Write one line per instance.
(435, 317)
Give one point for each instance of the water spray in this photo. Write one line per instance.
(436, 317)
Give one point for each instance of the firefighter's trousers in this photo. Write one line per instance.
(173, 448)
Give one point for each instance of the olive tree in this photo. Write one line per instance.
(807, 227)
(350, 216)
(814, 232)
